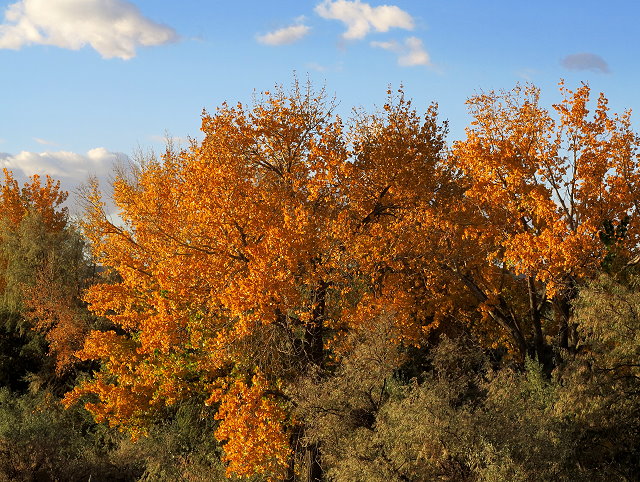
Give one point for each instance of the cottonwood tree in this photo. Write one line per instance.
(550, 199)
(242, 262)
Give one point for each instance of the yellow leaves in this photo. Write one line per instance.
(279, 225)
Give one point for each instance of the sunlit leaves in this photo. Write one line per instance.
(252, 427)
(244, 257)
(545, 183)
(243, 261)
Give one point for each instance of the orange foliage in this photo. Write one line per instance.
(252, 425)
(44, 199)
(242, 252)
(546, 186)
(55, 312)
(48, 305)
(543, 188)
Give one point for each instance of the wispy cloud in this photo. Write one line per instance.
(325, 68)
(176, 141)
(286, 35)
(70, 168)
(585, 61)
(44, 142)
(527, 74)
(410, 53)
(114, 28)
(361, 18)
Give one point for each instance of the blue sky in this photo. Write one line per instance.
(87, 81)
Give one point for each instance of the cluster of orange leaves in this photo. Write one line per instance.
(33, 197)
(234, 234)
(254, 424)
(546, 185)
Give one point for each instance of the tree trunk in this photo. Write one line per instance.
(315, 352)
(562, 313)
(500, 314)
(314, 470)
(294, 440)
(315, 329)
(562, 309)
(536, 323)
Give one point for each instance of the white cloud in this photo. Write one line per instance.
(586, 61)
(317, 67)
(176, 141)
(70, 168)
(391, 45)
(360, 18)
(410, 53)
(114, 28)
(283, 36)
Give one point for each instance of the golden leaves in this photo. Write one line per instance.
(243, 258)
(253, 243)
(545, 186)
(252, 425)
(44, 199)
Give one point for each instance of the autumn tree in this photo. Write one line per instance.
(550, 198)
(52, 297)
(242, 262)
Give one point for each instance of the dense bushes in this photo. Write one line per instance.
(471, 417)
(466, 414)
